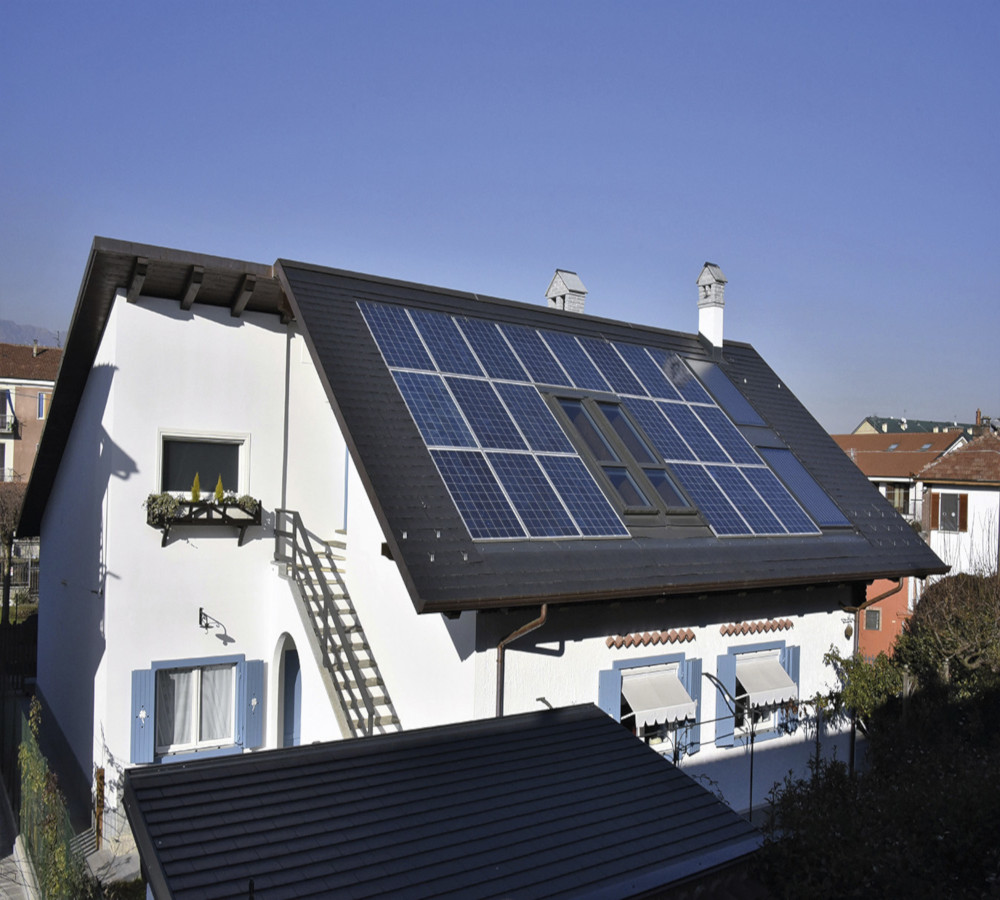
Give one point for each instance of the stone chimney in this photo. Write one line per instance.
(566, 291)
(711, 302)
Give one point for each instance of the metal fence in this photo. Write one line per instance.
(45, 824)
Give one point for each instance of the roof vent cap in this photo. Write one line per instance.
(711, 302)
(566, 291)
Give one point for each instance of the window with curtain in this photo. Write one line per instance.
(194, 708)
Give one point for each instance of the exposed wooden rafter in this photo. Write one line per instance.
(244, 294)
(193, 286)
(138, 278)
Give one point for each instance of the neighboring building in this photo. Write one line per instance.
(890, 461)
(454, 506)
(890, 425)
(27, 376)
(962, 505)
(527, 805)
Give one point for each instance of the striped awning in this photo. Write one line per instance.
(764, 681)
(657, 696)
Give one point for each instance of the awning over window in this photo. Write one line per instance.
(763, 679)
(657, 696)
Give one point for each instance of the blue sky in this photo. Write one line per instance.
(839, 162)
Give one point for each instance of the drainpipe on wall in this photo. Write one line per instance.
(528, 627)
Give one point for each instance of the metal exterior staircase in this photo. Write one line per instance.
(318, 567)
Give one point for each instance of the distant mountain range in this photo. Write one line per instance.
(12, 333)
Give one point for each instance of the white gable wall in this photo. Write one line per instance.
(115, 600)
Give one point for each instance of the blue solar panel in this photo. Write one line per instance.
(433, 410)
(709, 499)
(663, 435)
(745, 499)
(729, 397)
(396, 337)
(485, 509)
(486, 414)
(585, 500)
(492, 350)
(534, 418)
(576, 363)
(680, 376)
(529, 490)
(693, 432)
(778, 498)
(442, 338)
(535, 355)
(648, 372)
(727, 434)
(612, 367)
(802, 485)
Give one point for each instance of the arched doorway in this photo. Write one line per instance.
(291, 697)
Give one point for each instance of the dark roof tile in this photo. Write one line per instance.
(528, 804)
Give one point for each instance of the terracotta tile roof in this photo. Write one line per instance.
(759, 627)
(976, 462)
(909, 454)
(19, 361)
(650, 637)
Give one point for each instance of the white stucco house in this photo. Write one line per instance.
(453, 507)
(962, 505)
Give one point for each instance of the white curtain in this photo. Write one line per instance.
(216, 703)
(174, 707)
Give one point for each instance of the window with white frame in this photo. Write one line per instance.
(208, 705)
(873, 619)
(210, 457)
(195, 708)
(41, 405)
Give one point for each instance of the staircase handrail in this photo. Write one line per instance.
(301, 550)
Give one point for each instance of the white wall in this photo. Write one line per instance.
(114, 599)
(426, 661)
(974, 550)
(558, 665)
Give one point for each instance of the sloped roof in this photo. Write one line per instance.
(895, 455)
(25, 363)
(891, 425)
(445, 569)
(978, 462)
(529, 805)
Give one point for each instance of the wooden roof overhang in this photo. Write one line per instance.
(137, 269)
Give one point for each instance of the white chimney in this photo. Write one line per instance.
(566, 291)
(711, 302)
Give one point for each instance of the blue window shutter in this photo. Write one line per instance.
(609, 693)
(690, 672)
(143, 715)
(725, 725)
(789, 659)
(250, 703)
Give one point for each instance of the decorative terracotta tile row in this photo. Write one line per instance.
(756, 627)
(650, 637)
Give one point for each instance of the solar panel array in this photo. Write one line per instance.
(472, 387)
